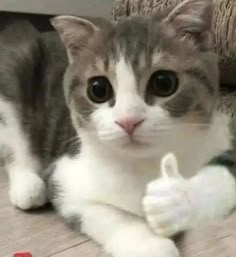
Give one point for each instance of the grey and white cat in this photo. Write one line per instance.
(134, 90)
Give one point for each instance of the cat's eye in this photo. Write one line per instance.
(163, 83)
(99, 89)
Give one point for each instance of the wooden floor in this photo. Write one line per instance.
(44, 234)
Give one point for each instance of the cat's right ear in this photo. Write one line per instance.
(74, 32)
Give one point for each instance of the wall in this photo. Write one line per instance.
(77, 7)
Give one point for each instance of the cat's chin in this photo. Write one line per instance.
(137, 151)
(134, 149)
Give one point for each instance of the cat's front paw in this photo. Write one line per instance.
(167, 206)
(27, 190)
(151, 247)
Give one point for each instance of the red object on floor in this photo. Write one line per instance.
(23, 254)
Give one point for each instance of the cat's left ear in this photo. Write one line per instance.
(192, 19)
(74, 32)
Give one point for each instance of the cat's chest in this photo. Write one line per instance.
(117, 184)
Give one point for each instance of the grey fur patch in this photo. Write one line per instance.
(31, 74)
(74, 222)
(112, 102)
(84, 109)
(131, 38)
(180, 104)
(200, 75)
(53, 188)
(54, 191)
(3, 120)
(74, 83)
(6, 156)
(48, 172)
(226, 159)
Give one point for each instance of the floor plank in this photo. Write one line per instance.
(218, 240)
(87, 249)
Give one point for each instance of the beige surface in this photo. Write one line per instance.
(44, 234)
(77, 7)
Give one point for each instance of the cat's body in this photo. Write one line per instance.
(32, 67)
(35, 127)
(133, 91)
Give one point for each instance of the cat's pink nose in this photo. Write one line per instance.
(129, 125)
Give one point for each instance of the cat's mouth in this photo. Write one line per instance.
(133, 147)
(137, 148)
(133, 142)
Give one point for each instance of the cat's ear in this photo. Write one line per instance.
(74, 32)
(192, 19)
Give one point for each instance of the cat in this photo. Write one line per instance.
(137, 89)
(133, 90)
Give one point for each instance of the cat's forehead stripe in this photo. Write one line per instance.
(132, 39)
(156, 57)
(125, 76)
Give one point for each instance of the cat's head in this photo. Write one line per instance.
(137, 82)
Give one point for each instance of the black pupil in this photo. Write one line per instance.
(163, 83)
(99, 89)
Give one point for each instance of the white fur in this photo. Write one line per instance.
(128, 103)
(167, 206)
(104, 189)
(213, 194)
(27, 190)
(106, 184)
(173, 203)
(121, 233)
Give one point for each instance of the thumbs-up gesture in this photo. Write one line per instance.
(169, 167)
(167, 204)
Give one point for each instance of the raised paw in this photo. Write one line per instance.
(27, 190)
(167, 204)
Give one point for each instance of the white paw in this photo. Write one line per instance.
(27, 190)
(167, 206)
(167, 203)
(151, 247)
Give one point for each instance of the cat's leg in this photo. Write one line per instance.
(177, 204)
(27, 189)
(123, 235)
